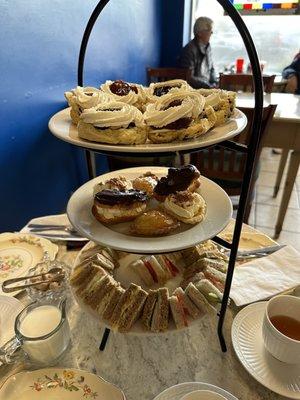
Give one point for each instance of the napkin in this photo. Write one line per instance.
(264, 277)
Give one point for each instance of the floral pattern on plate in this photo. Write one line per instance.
(69, 381)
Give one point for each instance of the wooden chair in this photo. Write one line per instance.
(244, 82)
(165, 74)
(226, 166)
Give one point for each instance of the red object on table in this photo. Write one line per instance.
(239, 65)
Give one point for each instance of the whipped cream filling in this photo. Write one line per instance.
(186, 209)
(87, 97)
(213, 100)
(191, 107)
(119, 212)
(175, 84)
(130, 98)
(113, 115)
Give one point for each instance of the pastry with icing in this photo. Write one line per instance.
(177, 180)
(112, 206)
(146, 183)
(82, 98)
(113, 123)
(176, 116)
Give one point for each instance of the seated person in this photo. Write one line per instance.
(292, 74)
(196, 55)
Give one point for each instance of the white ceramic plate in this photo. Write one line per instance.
(246, 334)
(58, 384)
(59, 219)
(9, 309)
(218, 214)
(62, 127)
(19, 252)
(178, 391)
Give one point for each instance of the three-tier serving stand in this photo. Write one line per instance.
(250, 150)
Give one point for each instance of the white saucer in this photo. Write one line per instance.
(246, 334)
(178, 391)
(10, 307)
(218, 214)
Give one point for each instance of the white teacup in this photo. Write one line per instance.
(282, 347)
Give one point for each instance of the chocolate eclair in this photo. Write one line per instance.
(177, 180)
(112, 206)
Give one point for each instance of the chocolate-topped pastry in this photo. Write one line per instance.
(112, 206)
(177, 180)
(115, 196)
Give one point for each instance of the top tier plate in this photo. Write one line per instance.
(62, 127)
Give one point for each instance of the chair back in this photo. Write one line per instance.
(165, 74)
(244, 82)
(226, 166)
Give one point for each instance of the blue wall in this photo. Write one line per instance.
(39, 50)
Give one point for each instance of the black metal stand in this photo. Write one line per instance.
(251, 149)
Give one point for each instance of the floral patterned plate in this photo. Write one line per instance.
(58, 384)
(19, 252)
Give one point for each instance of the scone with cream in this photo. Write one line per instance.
(82, 98)
(187, 207)
(112, 206)
(113, 123)
(156, 90)
(176, 116)
(129, 93)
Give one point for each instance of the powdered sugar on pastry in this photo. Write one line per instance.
(186, 206)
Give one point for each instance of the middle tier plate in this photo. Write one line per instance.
(218, 214)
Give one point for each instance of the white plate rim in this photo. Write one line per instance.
(146, 148)
(144, 247)
(61, 369)
(201, 385)
(260, 306)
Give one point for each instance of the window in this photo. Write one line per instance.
(276, 37)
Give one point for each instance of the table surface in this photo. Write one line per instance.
(143, 366)
(288, 105)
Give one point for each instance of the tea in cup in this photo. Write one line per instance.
(281, 328)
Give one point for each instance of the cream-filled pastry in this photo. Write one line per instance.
(112, 206)
(129, 93)
(82, 98)
(119, 183)
(114, 123)
(177, 180)
(145, 183)
(220, 103)
(157, 90)
(175, 117)
(187, 207)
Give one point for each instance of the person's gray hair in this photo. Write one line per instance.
(202, 24)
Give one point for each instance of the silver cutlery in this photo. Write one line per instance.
(53, 227)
